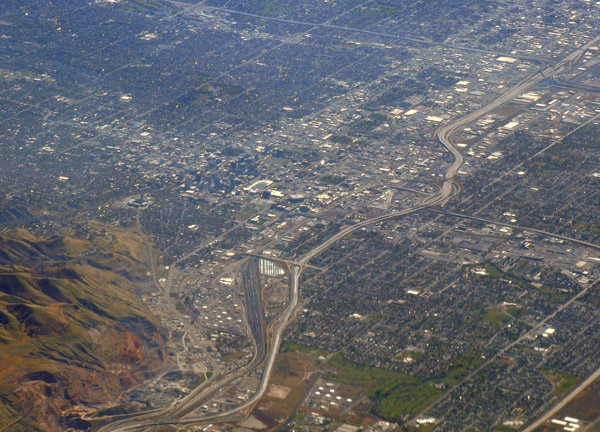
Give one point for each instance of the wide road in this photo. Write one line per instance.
(283, 322)
(549, 414)
(137, 424)
(350, 229)
(519, 227)
(449, 188)
(254, 307)
(328, 25)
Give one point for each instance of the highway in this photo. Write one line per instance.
(549, 414)
(254, 307)
(169, 415)
(190, 6)
(449, 188)
(527, 335)
(350, 229)
(571, 86)
(519, 227)
(283, 322)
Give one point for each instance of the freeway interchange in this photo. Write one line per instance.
(267, 341)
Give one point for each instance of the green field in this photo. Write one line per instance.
(269, 9)
(378, 10)
(563, 383)
(495, 316)
(293, 347)
(395, 394)
(465, 365)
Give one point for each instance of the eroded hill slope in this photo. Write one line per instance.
(74, 333)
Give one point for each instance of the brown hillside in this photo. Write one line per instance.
(73, 332)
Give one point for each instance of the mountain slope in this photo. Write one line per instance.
(73, 333)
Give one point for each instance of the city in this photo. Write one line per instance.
(357, 215)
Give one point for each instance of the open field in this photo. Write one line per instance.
(292, 376)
